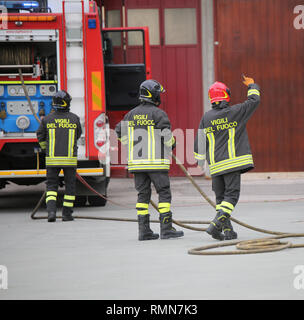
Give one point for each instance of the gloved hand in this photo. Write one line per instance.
(247, 81)
(168, 145)
(169, 150)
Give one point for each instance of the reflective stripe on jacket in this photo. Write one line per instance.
(224, 128)
(146, 131)
(58, 134)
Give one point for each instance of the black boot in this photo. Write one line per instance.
(228, 231)
(51, 216)
(216, 226)
(51, 209)
(144, 231)
(67, 214)
(166, 229)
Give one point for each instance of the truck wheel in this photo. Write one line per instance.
(80, 201)
(3, 183)
(96, 201)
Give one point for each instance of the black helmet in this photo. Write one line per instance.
(61, 101)
(150, 91)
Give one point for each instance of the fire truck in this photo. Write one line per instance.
(45, 49)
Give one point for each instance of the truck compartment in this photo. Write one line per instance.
(38, 64)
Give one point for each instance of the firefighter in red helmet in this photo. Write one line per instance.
(227, 151)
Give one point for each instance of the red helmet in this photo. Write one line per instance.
(219, 92)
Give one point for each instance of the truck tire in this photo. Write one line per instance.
(80, 201)
(96, 201)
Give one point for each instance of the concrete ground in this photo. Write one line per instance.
(91, 259)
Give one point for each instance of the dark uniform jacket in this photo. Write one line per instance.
(224, 130)
(146, 130)
(58, 134)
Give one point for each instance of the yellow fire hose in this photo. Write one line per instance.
(260, 245)
(244, 247)
(27, 95)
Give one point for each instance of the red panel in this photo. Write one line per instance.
(179, 69)
(110, 4)
(4, 141)
(183, 98)
(156, 63)
(263, 43)
(135, 54)
(183, 77)
(143, 4)
(180, 3)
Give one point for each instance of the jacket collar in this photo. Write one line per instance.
(222, 105)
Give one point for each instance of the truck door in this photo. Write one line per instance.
(127, 64)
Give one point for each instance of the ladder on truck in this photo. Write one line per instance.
(75, 60)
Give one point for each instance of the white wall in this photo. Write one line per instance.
(207, 49)
(56, 5)
(208, 55)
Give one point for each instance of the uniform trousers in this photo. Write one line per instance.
(161, 182)
(227, 188)
(52, 184)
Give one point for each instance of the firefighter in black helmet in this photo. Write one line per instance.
(146, 130)
(57, 135)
